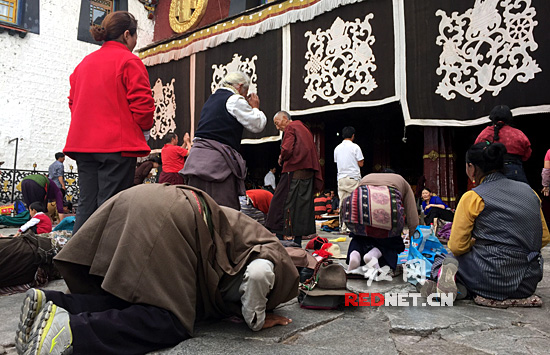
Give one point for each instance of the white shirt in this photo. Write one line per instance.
(30, 223)
(269, 179)
(347, 155)
(251, 118)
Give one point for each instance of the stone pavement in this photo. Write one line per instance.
(464, 328)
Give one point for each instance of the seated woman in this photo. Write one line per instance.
(433, 207)
(497, 234)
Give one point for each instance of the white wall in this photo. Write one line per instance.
(34, 82)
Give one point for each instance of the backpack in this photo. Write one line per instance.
(19, 206)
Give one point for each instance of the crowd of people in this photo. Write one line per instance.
(128, 234)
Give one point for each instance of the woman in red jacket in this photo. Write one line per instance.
(516, 142)
(111, 110)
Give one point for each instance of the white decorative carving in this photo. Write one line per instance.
(486, 47)
(165, 109)
(340, 61)
(247, 66)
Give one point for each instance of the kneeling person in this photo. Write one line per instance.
(115, 268)
(381, 247)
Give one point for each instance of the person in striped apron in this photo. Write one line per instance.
(497, 234)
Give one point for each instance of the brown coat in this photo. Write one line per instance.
(396, 181)
(298, 151)
(150, 244)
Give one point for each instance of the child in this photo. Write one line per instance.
(39, 221)
(323, 204)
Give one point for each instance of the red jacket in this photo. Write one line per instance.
(298, 151)
(173, 158)
(516, 141)
(111, 103)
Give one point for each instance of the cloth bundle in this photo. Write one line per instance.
(16, 221)
(375, 206)
(330, 226)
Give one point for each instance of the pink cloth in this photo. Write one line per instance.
(545, 171)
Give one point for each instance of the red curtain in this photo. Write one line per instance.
(318, 132)
(439, 163)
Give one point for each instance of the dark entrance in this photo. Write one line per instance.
(379, 133)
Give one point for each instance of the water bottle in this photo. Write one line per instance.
(432, 230)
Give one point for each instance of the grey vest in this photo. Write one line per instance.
(511, 215)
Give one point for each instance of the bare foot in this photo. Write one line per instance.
(272, 320)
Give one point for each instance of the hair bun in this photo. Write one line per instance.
(98, 33)
(495, 151)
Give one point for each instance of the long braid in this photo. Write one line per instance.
(498, 126)
(500, 116)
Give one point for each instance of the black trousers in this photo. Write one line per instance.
(105, 324)
(100, 177)
(436, 212)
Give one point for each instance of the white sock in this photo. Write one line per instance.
(354, 260)
(371, 258)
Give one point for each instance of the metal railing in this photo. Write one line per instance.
(10, 184)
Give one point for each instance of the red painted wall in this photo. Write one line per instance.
(215, 11)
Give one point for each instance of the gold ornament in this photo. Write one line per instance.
(433, 155)
(186, 14)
